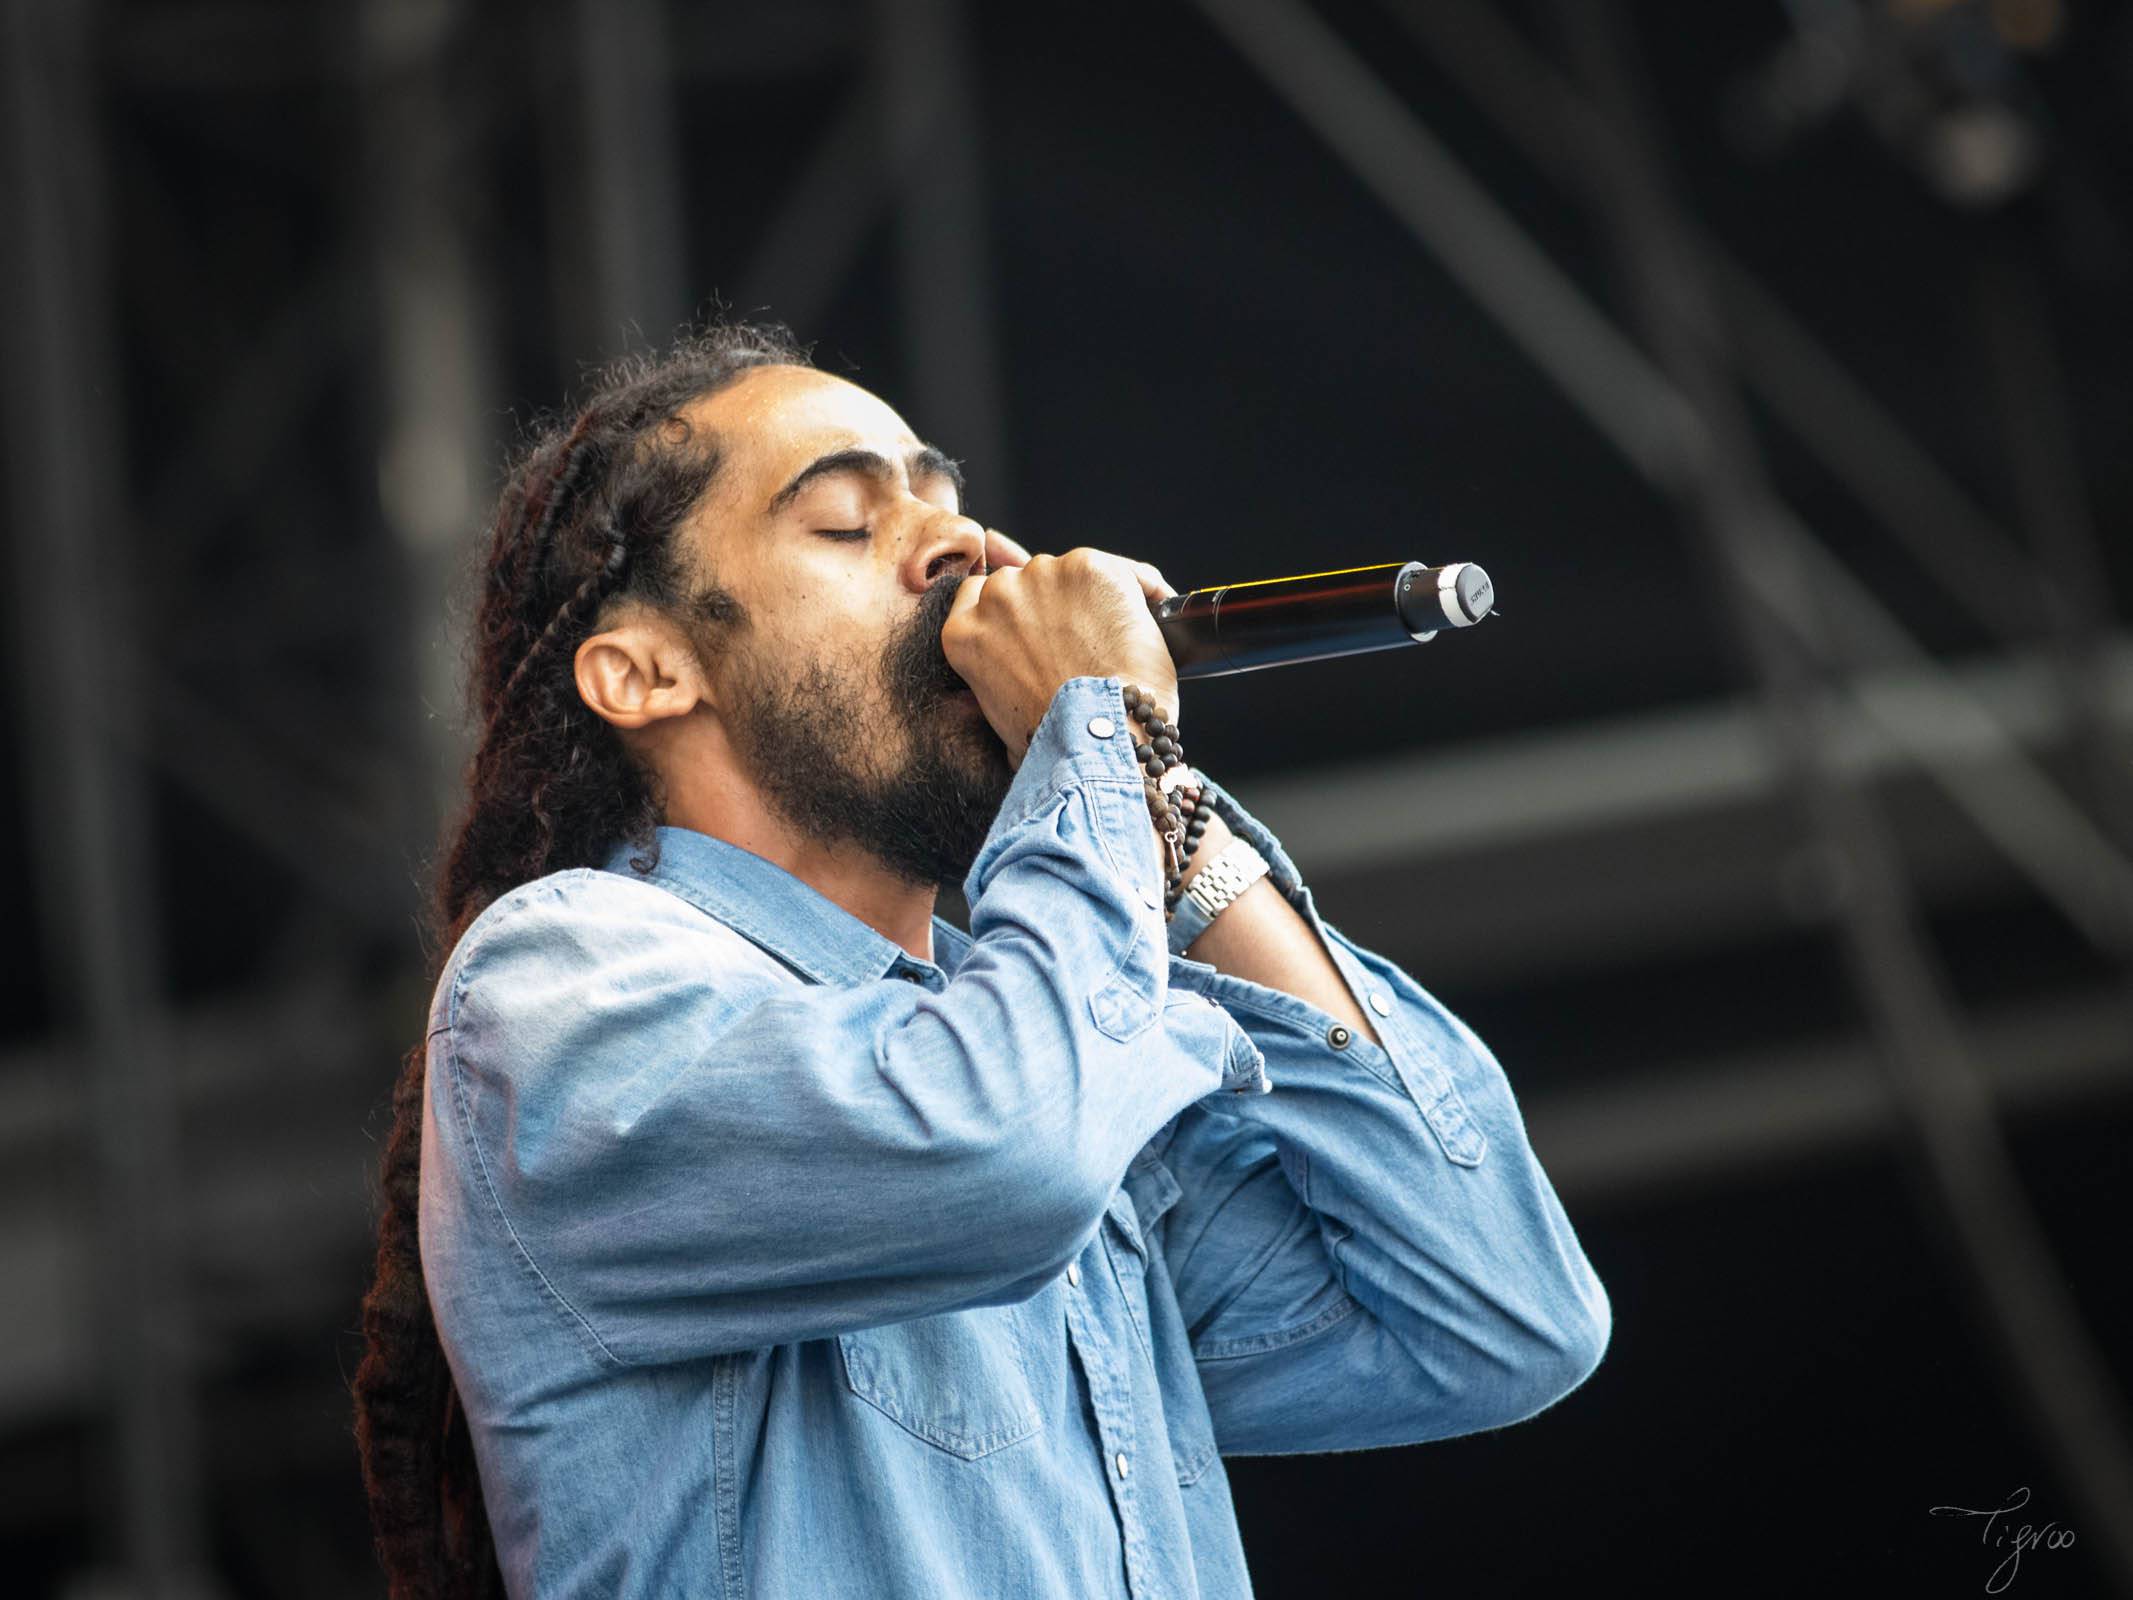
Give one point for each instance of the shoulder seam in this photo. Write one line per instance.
(485, 926)
(518, 1245)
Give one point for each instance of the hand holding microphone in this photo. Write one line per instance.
(1205, 633)
(1029, 623)
(1238, 627)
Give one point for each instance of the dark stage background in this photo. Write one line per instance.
(1772, 357)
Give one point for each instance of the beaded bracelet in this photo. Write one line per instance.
(1174, 798)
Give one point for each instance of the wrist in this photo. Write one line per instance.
(1189, 919)
(1228, 876)
(1217, 835)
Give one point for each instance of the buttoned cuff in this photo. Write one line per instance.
(1084, 737)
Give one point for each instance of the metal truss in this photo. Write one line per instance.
(1674, 415)
(335, 793)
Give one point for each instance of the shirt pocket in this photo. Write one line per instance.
(961, 1381)
(1136, 1253)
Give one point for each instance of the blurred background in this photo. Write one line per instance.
(1771, 357)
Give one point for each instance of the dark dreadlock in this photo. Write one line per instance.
(588, 513)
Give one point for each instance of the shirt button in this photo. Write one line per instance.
(1074, 1273)
(1102, 727)
(1379, 1004)
(1120, 1459)
(1338, 1036)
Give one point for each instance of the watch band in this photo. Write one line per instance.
(1187, 923)
(1212, 889)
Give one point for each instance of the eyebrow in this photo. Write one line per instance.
(925, 461)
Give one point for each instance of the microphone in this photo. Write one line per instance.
(1239, 627)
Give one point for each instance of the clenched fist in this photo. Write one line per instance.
(1019, 631)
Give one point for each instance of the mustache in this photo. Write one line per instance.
(917, 666)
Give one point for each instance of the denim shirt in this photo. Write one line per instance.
(773, 1261)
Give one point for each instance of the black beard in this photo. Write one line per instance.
(805, 744)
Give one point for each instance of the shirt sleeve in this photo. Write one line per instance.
(691, 1155)
(1371, 1254)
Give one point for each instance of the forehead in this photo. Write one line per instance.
(775, 420)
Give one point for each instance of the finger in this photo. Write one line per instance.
(1001, 551)
(1153, 584)
(966, 596)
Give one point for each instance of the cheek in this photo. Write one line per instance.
(825, 617)
(825, 604)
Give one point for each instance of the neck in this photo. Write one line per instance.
(715, 798)
(900, 912)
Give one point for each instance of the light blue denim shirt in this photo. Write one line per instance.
(772, 1261)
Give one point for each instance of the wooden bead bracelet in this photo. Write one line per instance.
(1174, 799)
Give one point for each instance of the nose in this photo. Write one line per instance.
(945, 543)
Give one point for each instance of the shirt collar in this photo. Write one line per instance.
(792, 920)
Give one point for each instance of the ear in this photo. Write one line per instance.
(638, 673)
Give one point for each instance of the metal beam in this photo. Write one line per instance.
(1978, 563)
(1641, 838)
(95, 881)
(1616, 387)
(1709, 462)
(2041, 437)
(433, 351)
(277, 1214)
(1747, 1117)
(1655, 766)
(1962, 1170)
(282, 1210)
(632, 170)
(282, 1221)
(2019, 806)
(944, 271)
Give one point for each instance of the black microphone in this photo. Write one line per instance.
(1239, 627)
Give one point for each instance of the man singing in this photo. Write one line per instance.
(748, 1229)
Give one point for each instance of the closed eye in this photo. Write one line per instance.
(843, 533)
